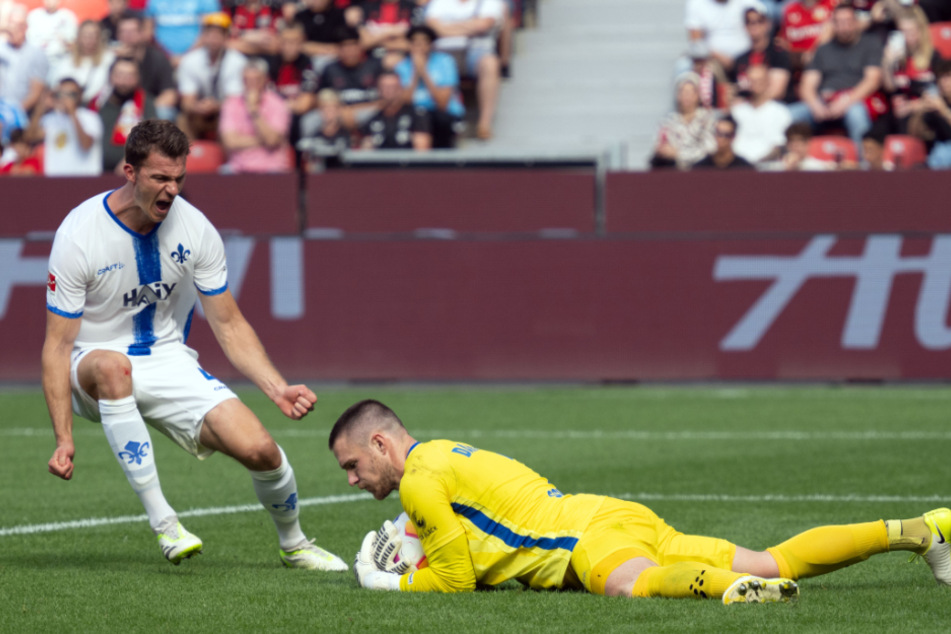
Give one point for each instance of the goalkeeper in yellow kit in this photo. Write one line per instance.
(484, 518)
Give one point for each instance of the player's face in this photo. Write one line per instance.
(156, 184)
(366, 468)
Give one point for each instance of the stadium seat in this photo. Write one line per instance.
(206, 157)
(941, 36)
(833, 148)
(904, 152)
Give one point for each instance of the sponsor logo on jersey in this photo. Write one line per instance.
(180, 255)
(112, 267)
(147, 294)
(51, 282)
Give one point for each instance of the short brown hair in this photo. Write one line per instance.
(156, 135)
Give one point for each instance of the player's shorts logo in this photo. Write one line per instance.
(134, 452)
(181, 254)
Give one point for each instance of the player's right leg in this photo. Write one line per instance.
(103, 390)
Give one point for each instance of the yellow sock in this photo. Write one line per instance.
(827, 548)
(911, 534)
(684, 580)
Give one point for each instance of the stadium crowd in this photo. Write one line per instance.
(811, 85)
(257, 85)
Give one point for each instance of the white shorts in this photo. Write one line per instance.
(171, 390)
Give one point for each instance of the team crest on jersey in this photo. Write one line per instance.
(147, 294)
(181, 254)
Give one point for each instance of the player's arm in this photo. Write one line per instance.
(442, 537)
(61, 332)
(244, 350)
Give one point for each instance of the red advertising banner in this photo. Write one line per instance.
(816, 307)
(486, 200)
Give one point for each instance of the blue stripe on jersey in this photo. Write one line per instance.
(149, 264)
(188, 325)
(217, 291)
(63, 313)
(490, 527)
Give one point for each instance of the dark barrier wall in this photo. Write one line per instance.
(794, 303)
(490, 200)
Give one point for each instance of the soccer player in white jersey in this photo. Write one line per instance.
(125, 269)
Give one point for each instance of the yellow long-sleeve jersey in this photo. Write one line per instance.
(484, 518)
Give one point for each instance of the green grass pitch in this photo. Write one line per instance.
(751, 464)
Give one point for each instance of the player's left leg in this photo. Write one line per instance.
(233, 429)
(827, 548)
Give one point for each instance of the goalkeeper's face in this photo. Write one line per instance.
(368, 467)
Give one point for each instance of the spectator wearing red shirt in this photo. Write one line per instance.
(293, 75)
(254, 26)
(908, 65)
(19, 158)
(805, 25)
(383, 27)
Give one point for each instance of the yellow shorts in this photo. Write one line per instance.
(623, 530)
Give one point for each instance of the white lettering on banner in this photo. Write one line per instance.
(18, 270)
(287, 272)
(874, 272)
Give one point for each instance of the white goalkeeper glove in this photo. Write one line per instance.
(368, 575)
(387, 548)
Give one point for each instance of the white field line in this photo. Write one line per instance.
(92, 522)
(33, 529)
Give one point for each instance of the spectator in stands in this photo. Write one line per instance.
(52, 28)
(255, 126)
(88, 62)
(322, 21)
(796, 157)
(842, 84)
(155, 70)
(908, 67)
(24, 66)
(761, 121)
(207, 76)
(873, 152)
(353, 78)
(687, 134)
(723, 157)
(71, 134)
(293, 76)
(12, 117)
(18, 157)
(324, 147)
(110, 23)
(763, 50)
(398, 125)
(431, 81)
(720, 24)
(933, 123)
(120, 110)
(254, 26)
(804, 26)
(176, 24)
(383, 27)
(469, 30)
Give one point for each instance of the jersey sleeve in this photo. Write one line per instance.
(425, 498)
(211, 268)
(67, 281)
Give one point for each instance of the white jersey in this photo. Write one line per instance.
(133, 292)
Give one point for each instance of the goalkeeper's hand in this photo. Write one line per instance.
(368, 575)
(387, 548)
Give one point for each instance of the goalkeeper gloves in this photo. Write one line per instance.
(387, 548)
(368, 575)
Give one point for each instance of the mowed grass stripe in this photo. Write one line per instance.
(93, 522)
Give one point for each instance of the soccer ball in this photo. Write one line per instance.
(412, 550)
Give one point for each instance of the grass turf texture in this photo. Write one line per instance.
(753, 465)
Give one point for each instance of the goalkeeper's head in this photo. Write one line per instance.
(370, 444)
